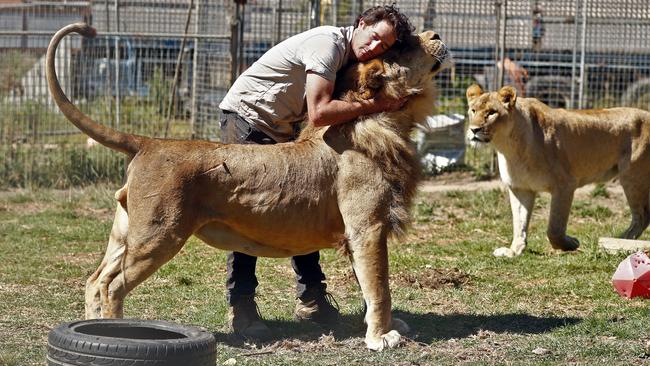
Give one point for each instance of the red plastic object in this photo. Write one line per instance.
(632, 277)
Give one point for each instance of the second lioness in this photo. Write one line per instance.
(542, 149)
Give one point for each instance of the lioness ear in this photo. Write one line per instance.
(473, 92)
(508, 96)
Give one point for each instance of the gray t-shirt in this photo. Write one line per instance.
(270, 94)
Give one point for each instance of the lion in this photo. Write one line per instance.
(542, 149)
(346, 187)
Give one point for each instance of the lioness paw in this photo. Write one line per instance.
(567, 243)
(388, 340)
(504, 252)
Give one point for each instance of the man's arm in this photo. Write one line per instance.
(322, 110)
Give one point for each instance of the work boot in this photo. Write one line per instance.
(318, 306)
(244, 319)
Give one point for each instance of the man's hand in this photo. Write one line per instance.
(389, 104)
(322, 110)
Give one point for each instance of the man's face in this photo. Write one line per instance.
(370, 41)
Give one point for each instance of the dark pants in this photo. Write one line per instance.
(241, 279)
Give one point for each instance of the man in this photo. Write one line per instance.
(266, 105)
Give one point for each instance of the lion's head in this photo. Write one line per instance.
(411, 68)
(403, 71)
(489, 113)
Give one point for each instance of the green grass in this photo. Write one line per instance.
(464, 306)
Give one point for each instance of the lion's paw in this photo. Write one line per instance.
(400, 326)
(388, 340)
(503, 252)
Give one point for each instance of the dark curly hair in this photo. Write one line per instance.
(390, 13)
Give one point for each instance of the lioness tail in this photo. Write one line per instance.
(124, 142)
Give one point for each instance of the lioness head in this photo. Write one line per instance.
(489, 113)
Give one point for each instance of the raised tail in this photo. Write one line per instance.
(123, 142)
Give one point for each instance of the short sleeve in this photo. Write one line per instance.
(322, 55)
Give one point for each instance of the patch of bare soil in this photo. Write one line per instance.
(489, 348)
(79, 258)
(611, 195)
(26, 208)
(461, 181)
(98, 213)
(433, 278)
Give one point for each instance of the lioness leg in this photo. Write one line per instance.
(111, 260)
(142, 245)
(521, 205)
(638, 198)
(370, 262)
(559, 215)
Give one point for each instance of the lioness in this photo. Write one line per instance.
(347, 186)
(541, 149)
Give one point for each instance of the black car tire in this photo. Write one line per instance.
(129, 342)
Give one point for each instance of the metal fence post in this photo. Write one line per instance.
(583, 46)
(109, 79)
(177, 70)
(278, 34)
(23, 39)
(500, 7)
(357, 8)
(195, 72)
(237, 40)
(314, 14)
(117, 65)
(574, 57)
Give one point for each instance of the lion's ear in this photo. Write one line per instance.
(429, 36)
(370, 74)
(508, 96)
(473, 92)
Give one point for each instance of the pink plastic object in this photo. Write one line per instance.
(632, 277)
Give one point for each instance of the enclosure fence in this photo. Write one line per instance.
(160, 68)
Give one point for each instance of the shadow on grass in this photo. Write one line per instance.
(431, 327)
(425, 328)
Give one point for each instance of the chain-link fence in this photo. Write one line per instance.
(160, 68)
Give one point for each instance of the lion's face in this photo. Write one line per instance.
(422, 57)
(489, 113)
(400, 73)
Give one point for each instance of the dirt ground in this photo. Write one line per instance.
(463, 181)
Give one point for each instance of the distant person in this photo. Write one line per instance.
(515, 75)
(538, 28)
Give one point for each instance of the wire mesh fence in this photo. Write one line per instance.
(161, 68)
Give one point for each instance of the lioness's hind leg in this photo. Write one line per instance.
(116, 243)
(142, 257)
(139, 245)
(637, 192)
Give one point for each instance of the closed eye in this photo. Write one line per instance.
(383, 44)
